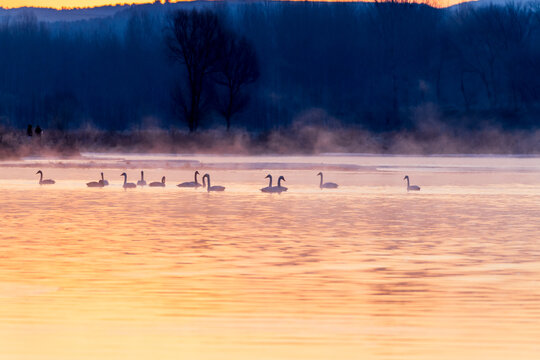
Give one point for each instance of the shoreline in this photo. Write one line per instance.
(297, 141)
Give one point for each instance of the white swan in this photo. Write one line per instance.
(141, 182)
(46, 181)
(194, 184)
(212, 188)
(126, 184)
(411, 187)
(158, 183)
(274, 189)
(328, 185)
(96, 184)
(105, 182)
(280, 188)
(269, 188)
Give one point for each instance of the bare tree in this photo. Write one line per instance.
(237, 69)
(194, 39)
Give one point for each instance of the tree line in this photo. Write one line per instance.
(379, 66)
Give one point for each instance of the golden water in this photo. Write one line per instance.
(366, 271)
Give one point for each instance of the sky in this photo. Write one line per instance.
(58, 4)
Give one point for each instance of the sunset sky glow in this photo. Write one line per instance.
(58, 4)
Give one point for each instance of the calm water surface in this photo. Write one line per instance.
(363, 272)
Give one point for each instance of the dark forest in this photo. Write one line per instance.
(376, 67)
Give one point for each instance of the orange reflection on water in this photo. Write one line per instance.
(360, 273)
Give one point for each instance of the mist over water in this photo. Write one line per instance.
(369, 269)
(304, 137)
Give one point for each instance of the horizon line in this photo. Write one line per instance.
(65, 8)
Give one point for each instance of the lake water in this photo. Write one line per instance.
(367, 271)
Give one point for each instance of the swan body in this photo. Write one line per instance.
(46, 181)
(126, 184)
(280, 188)
(269, 188)
(103, 181)
(328, 185)
(97, 184)
(141, 182)
(158, 183)
(409, 186)
(194, 184)
(212, 188)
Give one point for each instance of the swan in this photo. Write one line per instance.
(212, 188)
(280, 188)
(126, 184)
(328, 185)
(269, 187)
(46, 181)
(194, 184)
(96, 184)
(158, 183)
(103, 181)
(274, 189)
(411, 187)
(141, 182)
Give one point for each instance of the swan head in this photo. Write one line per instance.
(163, 180)
(123, 174)
(406, 177)
(197, 172)
(319, 174)
(268, 176)
(39, 172)
(281, 178)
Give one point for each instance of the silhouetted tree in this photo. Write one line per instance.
(360, 63)
(194, 39)
(237, 69)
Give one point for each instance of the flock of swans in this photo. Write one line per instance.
(205, 183)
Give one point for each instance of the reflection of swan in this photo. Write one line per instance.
(269, 187)
(105, 182)
(46, 181)
(191, 183)
(141, 182)
(328, 185)
(411, 187)
(280, 188)
(158, 183)
(96, 184)
(211, 188)
(126, 184)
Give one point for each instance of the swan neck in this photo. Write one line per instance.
(125, 179)
(408, 183)
(196, 177)
(321, 179)
(270, 182)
